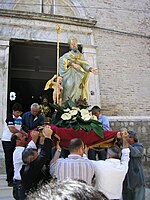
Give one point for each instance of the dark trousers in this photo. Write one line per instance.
(137, 193)
(8, 152)
(102, 155)
(18, 191)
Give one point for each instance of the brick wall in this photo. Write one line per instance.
(124, 68)
(122, 55)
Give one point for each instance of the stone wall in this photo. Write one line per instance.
(122, 38)
(141, 126)
(124, 67)
(4, 59)
(120, 15)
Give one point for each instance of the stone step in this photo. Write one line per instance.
(147, 194)
(3, 181)
(6, 198)
(5, 191)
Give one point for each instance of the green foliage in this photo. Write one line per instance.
(69, 116)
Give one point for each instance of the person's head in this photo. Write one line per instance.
(35, 108)
(114, 152)
(67, 190)
(29, 155)
(45, 101)
(59, 79)
(17, 109)
(132, 137)
(96, 111)
(73, 43)
(76, 146)
(19, 139)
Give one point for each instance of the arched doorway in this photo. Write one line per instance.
(31, 64)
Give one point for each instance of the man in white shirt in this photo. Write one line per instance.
(110, 174)
(12, 125)
(19, 140)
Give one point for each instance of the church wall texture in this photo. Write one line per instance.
(123, 60)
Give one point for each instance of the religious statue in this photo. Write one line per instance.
(74, 71)
(55, 83)
(45, 109)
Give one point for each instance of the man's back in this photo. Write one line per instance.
(73, 167)
(110, 175)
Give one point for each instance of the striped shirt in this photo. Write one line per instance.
(73, 167)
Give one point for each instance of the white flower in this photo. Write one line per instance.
(86, 117)
(66, 116)
(12, 96)
(84, 111)
(75, 108)
(94, 117)
(66, 110)
(74, 118)
(73, 112)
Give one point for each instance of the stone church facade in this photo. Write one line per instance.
(115, 39)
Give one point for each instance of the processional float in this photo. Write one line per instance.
(70, 121)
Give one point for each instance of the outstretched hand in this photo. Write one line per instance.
(35, 136)
(47, 131)
(92, 70)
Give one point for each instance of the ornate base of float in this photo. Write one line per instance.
(91, 139)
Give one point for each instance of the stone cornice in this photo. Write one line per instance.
(49, 18)
(129, 118)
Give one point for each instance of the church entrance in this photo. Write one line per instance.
(31, 65)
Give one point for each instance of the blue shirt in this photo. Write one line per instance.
(104, 121)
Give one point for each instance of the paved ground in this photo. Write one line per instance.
(147, 195)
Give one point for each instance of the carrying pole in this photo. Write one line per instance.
(58, 41)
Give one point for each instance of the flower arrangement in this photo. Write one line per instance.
(71, 116)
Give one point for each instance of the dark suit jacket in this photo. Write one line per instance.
(30, 122)
(33, 174)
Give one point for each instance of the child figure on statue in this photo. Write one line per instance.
(55, 83)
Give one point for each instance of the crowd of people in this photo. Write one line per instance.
(113, 173)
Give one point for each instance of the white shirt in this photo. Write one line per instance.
(110, 175)
(17, 159)
(6, 136)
